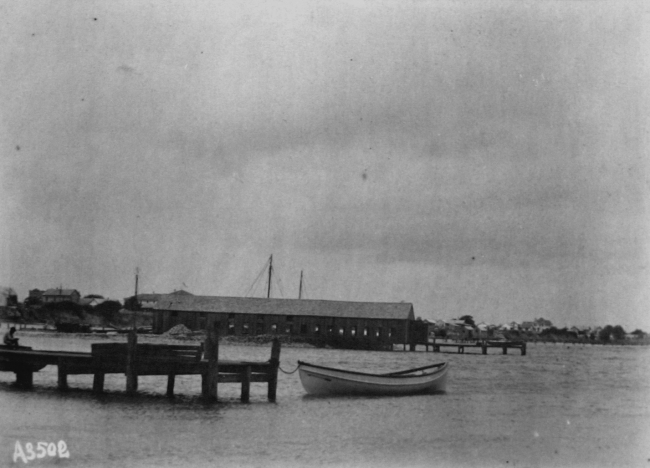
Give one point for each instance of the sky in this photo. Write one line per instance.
(484, 158)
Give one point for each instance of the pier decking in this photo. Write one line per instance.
(134, 359)
(440, 346)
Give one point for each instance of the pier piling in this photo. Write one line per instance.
(273, 373)
(98, 382)
(246, 384)
(171, 380)
(25, 379)
(62, 377)
(131, 363)
(211, 377)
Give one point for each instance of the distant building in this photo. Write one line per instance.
(149, 301)
(368, 324)
(90, 301)
(527, 326)
(60, 295)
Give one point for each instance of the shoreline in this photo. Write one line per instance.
(196, 337)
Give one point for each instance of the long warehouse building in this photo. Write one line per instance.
(368, 324)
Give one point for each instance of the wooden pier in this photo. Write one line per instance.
(439, 346)
(133, 359)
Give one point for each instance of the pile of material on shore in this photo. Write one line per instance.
(292, 341)
(181, 332)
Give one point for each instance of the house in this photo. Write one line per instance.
(459, 330)
(366, 324)
(9, 297)
(90, 301)
(482, 331)
(60, 295)
(36, 293)
(528, 326)
(149, 301)
(595, 332)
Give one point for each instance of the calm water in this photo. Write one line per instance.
(558, 406)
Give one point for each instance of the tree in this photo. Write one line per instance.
(468, 319)
(64, 306)
(108, 310)
(618, 332)
(606, 333)
(32, 301)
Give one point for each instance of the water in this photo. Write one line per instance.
(558, 406)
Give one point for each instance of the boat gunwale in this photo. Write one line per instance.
(397, 375)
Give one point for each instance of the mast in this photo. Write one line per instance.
(300, 288)
(268, 292)
(135, 308)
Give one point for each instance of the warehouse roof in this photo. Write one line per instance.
(309, 307)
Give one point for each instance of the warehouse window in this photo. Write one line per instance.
(303, 329)
(274, 328)
(260, 328)
(289, 329)
(330, 329)
(378, 332)
(317, 329)
(245, 329)
(341, 331)
(365, 331)
(391, 332)
(231, 328)
(353, 332)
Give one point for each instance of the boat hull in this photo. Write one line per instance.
(318, 380)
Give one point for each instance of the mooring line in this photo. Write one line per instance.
(289, 372)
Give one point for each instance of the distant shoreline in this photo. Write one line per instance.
(286, 340)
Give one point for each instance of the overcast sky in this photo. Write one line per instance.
(482, 158)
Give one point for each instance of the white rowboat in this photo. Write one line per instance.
(319, 380)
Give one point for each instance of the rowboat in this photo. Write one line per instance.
(320, 380)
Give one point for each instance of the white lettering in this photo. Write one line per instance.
(29, 448)
(63, 450)
(41, 449)
(18, 453)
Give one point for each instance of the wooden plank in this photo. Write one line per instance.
(237, 378)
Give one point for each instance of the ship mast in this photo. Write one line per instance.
(135, 307)
(268, 292)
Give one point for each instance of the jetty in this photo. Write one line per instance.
(133, 359)
(442, 346)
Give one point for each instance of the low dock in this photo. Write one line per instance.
(133, 359)
(441, 346)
